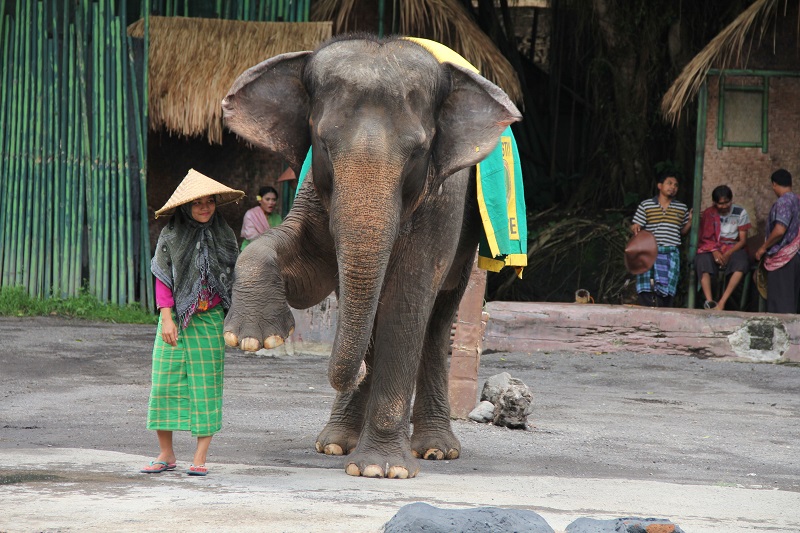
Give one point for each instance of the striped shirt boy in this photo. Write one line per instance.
(664, 224)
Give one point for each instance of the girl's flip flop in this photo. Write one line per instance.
(156, 467)
(197, 470)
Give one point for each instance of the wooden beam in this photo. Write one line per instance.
(465, 357)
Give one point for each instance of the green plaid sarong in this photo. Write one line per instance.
(187, 380)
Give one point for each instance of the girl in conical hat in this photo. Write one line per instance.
(193, 265)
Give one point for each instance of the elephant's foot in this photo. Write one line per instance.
(336, 439)
(435, 444)
(251, 344)
(253, 331)
(401, 465)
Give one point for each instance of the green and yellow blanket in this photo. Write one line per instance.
(501, 197)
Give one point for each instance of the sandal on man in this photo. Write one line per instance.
(200, 470)
(710, 304)
(156, 467)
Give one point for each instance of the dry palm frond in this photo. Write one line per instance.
(339, 11)
(444, 21)
(729, 46)
(193, 63)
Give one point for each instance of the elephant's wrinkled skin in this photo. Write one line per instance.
(387, 216)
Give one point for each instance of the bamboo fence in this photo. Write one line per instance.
(73, 141)
(73, 216)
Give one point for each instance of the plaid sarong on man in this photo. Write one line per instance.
(186, 394)
(664, 274)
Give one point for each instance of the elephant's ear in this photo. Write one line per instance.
(268, 106)
(471, 120)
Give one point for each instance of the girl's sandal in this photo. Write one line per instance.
(156, 467)
(200, 470)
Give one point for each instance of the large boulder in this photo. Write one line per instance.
(421, 517)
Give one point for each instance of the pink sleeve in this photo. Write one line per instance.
(163, 295)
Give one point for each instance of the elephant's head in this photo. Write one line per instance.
(388, 124)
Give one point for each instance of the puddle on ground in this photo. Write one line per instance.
(26, 476)
(22, 476)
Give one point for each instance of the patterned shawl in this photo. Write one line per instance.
(189, 253)
(255, 223)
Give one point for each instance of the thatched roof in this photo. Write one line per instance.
(445, 21)
(194, 62)
(731, 46)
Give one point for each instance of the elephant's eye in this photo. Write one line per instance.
(419, 152)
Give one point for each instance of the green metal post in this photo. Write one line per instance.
(700, 145)
(765, 115)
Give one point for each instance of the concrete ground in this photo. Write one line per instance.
(710, 444)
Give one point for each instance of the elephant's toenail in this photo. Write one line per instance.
(352, 470)
(333, 449)
(249, 344)
(373, 471)
(434, 454)
(272, 341)
(397, 472)
(231, 339)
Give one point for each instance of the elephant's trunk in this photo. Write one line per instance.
(364, 224)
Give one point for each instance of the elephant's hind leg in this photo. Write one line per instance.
(433, 436)
(340, 435)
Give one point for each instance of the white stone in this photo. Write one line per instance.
(483, 412)
(762, 339)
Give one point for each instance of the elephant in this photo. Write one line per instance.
(386, 217)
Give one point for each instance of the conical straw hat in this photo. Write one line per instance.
(287, 175)
(196, 185)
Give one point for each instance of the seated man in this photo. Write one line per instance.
(723, 236)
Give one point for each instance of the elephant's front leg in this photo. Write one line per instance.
(293, 264)
(259, 316)
(384, 448)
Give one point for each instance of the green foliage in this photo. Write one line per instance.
(15, 301)
(631, 199)
(669, 166)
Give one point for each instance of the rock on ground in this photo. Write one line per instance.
(512, 400)
(483, 412)
(423, 518)
(623, 525)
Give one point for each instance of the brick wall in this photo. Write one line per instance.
(747, 170)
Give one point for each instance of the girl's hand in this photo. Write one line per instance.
(169, 331)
